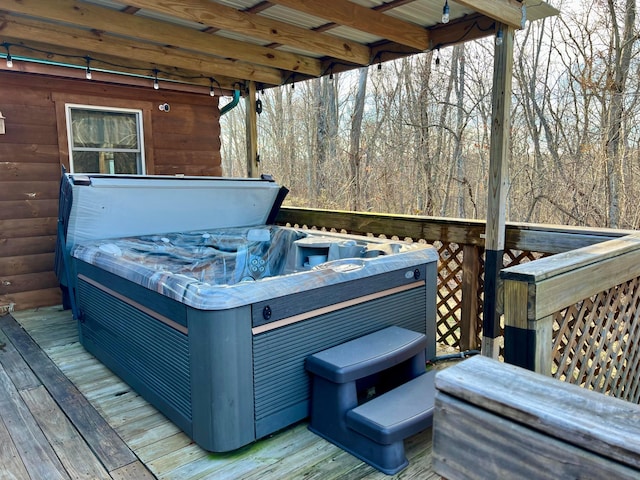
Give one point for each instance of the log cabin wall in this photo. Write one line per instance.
(185, 140)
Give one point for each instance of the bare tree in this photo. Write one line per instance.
(621, 55)
(355, 153)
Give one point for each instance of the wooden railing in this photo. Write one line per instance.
(576, 316)
(460, 244)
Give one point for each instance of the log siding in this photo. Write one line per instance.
(185, 140)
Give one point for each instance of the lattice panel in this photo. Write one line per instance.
(449, 298)
(516, 257)
(480, 295)
(596, 342)
(449, 301)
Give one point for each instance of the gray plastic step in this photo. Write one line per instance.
(366, 355)
(397, 414)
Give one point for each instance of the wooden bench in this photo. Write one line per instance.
(494, 420)
(371, 393)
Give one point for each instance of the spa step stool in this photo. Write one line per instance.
(392, 360)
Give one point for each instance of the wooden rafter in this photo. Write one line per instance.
(133, 67)
(14, 27)
(504, 11)
(163, 33)
(226, 18)
(362, 18)
(241, 41)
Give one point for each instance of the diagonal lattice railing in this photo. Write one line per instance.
(460, 247)
(576, 316)
(595, 342)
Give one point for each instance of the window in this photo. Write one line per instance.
(105, 140)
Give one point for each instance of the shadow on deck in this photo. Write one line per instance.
(65, 415)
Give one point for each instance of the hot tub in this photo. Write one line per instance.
(212, 324)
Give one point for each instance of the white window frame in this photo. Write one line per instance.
(140, 132)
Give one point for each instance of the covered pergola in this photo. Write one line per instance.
(227, 46)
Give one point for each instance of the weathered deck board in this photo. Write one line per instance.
(109, 448)
(71, 449)
(12, 466)
(161, 448)
(35, 451)
(133, 471)
(15, 366)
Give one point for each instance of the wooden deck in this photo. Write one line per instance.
(64, 415)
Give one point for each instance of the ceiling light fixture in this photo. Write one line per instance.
(445, 12)
(87, 74)
(9, 59)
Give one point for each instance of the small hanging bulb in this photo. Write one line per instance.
(380, 66)
(499, 38)
(87, 73)
(9, 59)
(438, 58)
(211, 92)
(445, 12)
(156, 85)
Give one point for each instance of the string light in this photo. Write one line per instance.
(438, 57)
(445, 12)
(9, 59)
(212, 92)
(86, 59)
(88, 71)
(499, 38)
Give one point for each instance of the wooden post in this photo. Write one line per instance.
(497, 191)
(528, 340)
(252, 132)
(469, 307)
(518, 339)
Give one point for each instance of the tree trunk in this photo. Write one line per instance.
(622, 50)
(461, 120)
(355, 153)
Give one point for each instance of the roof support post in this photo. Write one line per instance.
(252, 132)
(497, 192)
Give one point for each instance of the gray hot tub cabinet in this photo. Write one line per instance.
(231, 370)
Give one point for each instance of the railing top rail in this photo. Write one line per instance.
(611, 251)
(521, 236)
(570, 277)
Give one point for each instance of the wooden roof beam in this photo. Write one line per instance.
(364, 19)
(96, 43)
(467, 28)
(504, 11)
(227, 18)
(127, 67)
(163, 33)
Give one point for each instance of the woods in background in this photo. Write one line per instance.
(412, 136)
